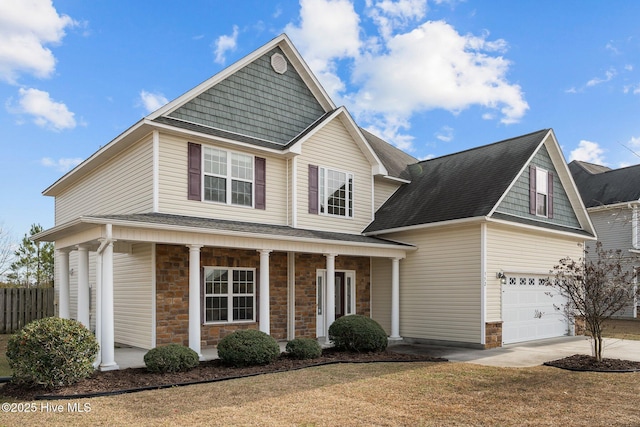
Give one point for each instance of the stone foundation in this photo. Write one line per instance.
(493, 334)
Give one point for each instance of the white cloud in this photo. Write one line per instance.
(152, 101)
(634, 141)
(402, 71)
(445, 134)
(61, 165)
(225, 44)
(318, 19)
(432, 67)
(609, 75)
(46, 112)
(634, 89)
(588, 151)
(26, 27)
(390, 15)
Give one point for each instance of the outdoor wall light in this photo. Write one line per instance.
(503, 279)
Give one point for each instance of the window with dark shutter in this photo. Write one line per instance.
(313, 189)
(194, 178)
(260, 181)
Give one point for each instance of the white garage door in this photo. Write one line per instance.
(529, 310)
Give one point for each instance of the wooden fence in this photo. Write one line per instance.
(19, 306)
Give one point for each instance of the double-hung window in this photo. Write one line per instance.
(229, 295)
(228, 177)
(335, 192)
(542, 192)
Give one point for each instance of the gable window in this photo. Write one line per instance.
(228, 177)
(540, 192)
(229, 295)
(335, 192)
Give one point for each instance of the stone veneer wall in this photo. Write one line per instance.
(493, 335)
(172, 291)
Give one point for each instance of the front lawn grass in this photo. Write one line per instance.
(382, 394)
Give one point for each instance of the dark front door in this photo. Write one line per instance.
(340, 295)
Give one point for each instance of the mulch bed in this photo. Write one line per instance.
(135, 379)
(581, 362)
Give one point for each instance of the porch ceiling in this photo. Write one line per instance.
(176, 229)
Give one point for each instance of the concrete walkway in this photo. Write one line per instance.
(514, 355)
(528, 354)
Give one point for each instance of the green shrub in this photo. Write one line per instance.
(357, 333)
(247, 348)
(304, 348)
(171, 358)
(52, 352)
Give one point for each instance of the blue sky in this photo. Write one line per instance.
(433, 77)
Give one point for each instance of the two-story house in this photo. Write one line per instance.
(252, 201)
(612, 199)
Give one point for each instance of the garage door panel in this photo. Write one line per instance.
(529, 310)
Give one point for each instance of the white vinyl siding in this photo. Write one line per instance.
(381, 292)
(615, 231)
(133, 296)
(173, 187)
(333, 147)
(122, 185)
(440, 294)
(382, 191)
(517, 252)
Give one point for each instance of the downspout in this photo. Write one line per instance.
(483, 283)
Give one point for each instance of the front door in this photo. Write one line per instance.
(344, 297)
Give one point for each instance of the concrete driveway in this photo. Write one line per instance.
(527, 354)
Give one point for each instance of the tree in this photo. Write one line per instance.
(595, 288)
(34, 261)
(6, 252)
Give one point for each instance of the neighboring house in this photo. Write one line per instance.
(612, 198)
(252, 201)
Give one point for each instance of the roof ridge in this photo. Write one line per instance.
(484, 146)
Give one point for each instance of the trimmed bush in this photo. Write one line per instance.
(304, 348)
(52, 352)
(248, 347)
(171, 358)
(357, 333)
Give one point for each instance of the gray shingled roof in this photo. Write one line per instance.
(462, 185)
(394, 160)
(247, 227)
(603, 186)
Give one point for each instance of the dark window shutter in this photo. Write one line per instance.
(195, 172)
(532, 190)
(313, 189)
(550, 195)
(261, 183)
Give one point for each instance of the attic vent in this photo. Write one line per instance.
(278, 63)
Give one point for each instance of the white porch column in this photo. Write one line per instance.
(194, 299)
(83, 287)
(265, 312)
(395, 299)
(330, 307)
(107, 333)
(63, 288)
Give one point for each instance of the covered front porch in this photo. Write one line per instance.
(285, 277)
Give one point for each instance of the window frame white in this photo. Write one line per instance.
(230, 294)
(324, 196)
(542, 180)
(228, 175)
